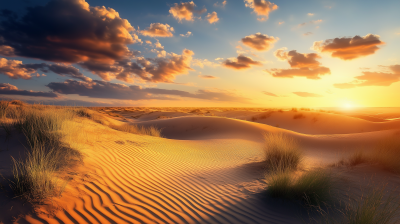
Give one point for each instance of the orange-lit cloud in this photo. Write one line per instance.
(207, 77)
(7, 51)
(373, 79)
(188, 34)
(303, 65)
(259, 42)
(222, 4)
(261, 8)
(8, 89)
(158, 30)
(161, 69)
(270, 94)
(212, 17)
(348, 48)
(310, 14)
(241, 62)
(83, 34)
(307, 34)
(185, 10)
(306, 94)
(16, 70)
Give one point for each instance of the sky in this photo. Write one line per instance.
(203, 53)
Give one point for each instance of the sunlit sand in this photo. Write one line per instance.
(207, 167)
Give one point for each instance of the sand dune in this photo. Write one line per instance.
(207, 171)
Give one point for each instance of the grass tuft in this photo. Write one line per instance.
(312, 187)
(139, 130)
(281, 152)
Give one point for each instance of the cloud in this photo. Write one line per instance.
(188, 34)
(269, 94)
(212, 17)
(68, 31)
(158, 30)
(7, 51)
(185, 10)
(280, 23)
(222, 4)
(308, 33)
(8, 89)
(348, 48)
(259, 42)
(306, 94)
(311, 22)
(107, 90)
(373, 79)
(241, 62)
(261, 8)
(205, 62)
(208, 77)
(161, 69)
(303, 65)
(15, 69)
(310, 14)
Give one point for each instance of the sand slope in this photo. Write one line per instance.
(209, 174)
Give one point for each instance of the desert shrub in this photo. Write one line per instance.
(313, 187)
(17, 102)
(3, 108)
(83, 112)
(294, 109)
(372, 208)
(33, 177)
(266, 115)
(139, 130)
(253, 118)
(298, 116)
(387, 154)
(281, 152)
(357, 158)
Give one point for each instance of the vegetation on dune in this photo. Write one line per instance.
(313, 187)
(139, 130)
(281, 152)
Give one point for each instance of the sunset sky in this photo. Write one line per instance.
(251, 53)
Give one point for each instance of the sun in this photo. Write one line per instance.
(348, 105)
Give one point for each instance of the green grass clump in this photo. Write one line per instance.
(139, 130)
(312, 187)
(281, 152)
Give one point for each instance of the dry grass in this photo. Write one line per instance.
(281, 152)
(139, 130)
(34, 175)
(298, 116)
(313, 187)
(371, 208)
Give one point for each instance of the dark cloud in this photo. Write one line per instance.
(68, 31)
(8, 89)
(306, 94)
(269, 94)
(15, 69)
(158, 30)
(348, 48)
(261, 8)
(259, 42)
(241, 62)
(373, 79)
(107, 90)
(185, 11)
(302, 65)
